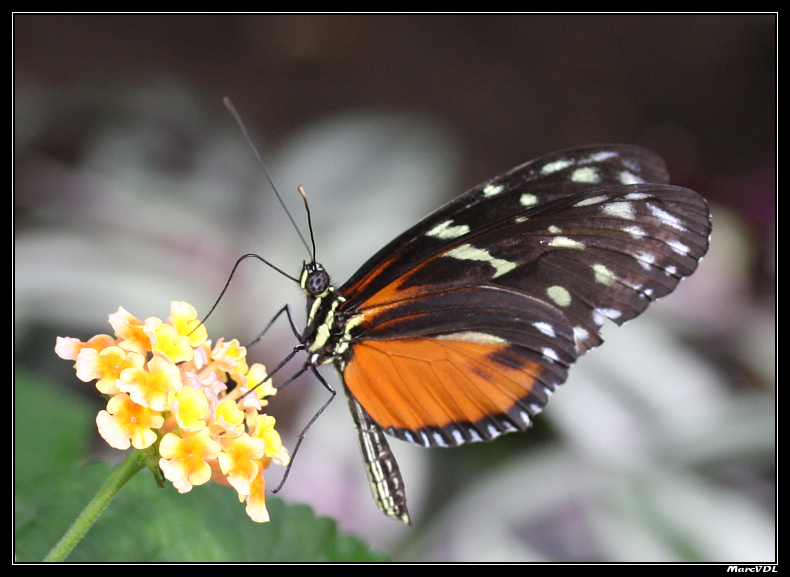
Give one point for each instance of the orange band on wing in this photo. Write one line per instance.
(421, 382)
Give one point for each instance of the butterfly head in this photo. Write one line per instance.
(314, 279)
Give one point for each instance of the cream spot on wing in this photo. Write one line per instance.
(545, 328)
(580, 334)
(678, 247)
(586, 174)
(493, 190)
(469, 252)
(565, 242)
(626, 177)
(634, 231)
(645, 259)
(353, 322)
(528, 199)
(619, 210)
(591, 200)
(556, 165)
(473, 337)
(666, 218)
(603, 274)
(610, 313)
(550, 354)
(599, 156)
(559, 295)
(446, 230)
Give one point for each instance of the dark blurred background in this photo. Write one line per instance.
(134, 187)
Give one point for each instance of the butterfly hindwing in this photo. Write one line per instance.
(464, 365)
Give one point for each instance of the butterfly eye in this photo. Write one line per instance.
(317, 282)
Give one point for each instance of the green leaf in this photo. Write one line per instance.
(144, 522)
(51, 428)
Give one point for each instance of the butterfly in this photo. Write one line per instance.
(461, 328)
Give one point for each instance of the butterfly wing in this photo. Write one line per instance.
(557, 175)
(466, 323)
(461, 328)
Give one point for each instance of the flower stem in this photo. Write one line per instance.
(119, 477)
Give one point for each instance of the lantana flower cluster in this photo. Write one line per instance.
(168, 391)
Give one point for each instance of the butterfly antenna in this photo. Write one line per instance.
(240, 122)
(309, 220)
(232, 272)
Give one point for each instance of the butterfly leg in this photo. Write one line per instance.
(281, 364)
(287, 310)
(329, 388)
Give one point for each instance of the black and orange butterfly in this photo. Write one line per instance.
(460, 329)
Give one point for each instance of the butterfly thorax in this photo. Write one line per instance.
(328, 334)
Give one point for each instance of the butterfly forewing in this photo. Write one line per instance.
(465, 324)
(557, 175)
